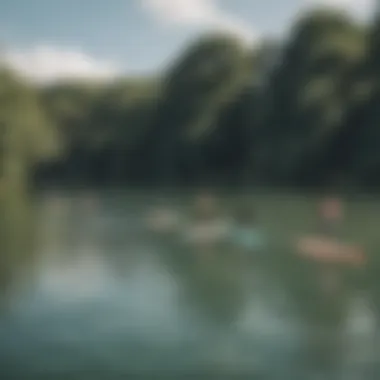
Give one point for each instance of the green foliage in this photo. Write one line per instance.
(27, 133)
(301, 113)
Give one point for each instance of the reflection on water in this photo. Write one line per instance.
(102, 298)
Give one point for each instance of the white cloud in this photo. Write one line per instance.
(202, 14)
(359, 8)
(46, 63)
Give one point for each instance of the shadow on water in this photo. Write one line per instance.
(89, 292)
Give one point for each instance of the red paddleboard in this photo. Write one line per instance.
(329, 250)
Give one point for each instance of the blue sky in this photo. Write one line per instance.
(46, 39)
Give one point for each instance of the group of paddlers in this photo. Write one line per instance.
(207, 228)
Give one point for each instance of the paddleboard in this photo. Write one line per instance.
(330, 250)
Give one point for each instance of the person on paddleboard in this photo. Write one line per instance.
(245, 234)
(207, 227)
(326, 245)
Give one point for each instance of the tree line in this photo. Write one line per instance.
(298, 112)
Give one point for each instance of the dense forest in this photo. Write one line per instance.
(297, 112)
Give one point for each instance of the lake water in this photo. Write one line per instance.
(100, 298)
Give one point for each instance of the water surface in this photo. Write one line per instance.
(100, 298)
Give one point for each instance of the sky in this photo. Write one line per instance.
(47, 40)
